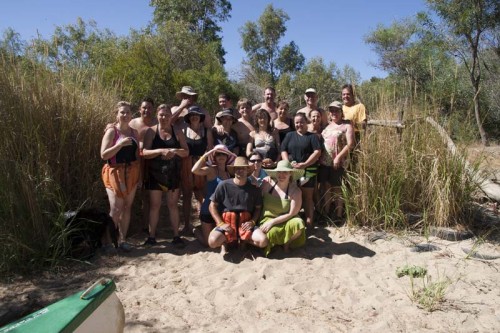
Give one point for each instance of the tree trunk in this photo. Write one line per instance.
(482, 132)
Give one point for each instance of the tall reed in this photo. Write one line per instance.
(53, 123)
(412, 174)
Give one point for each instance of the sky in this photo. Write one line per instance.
(331, 29)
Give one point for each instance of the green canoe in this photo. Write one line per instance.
(96, 309)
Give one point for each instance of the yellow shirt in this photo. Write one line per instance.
(356, 114)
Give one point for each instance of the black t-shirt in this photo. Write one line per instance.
(300, 147)
(231, 197)
(230, 140)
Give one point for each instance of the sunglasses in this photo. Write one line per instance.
(255, 161)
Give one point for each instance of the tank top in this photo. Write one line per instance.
(158, 142)
(282, 132)
(272, 189)
(197, 147)
(126, 154)
(211, 186)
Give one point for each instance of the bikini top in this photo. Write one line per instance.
(126, 154)
(286, 193)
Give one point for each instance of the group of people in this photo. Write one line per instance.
(251, 171)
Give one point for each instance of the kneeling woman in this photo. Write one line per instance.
(165, 147)
(215, 169)
(281, 204)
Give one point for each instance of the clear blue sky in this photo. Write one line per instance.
(330, 29)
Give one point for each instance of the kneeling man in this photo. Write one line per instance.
(236, 206)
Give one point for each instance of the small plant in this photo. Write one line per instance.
(431, 294)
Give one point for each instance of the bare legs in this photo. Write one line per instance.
(308, 204)
(173, 210)
(120, 211)
(154, 210)
(218, 239)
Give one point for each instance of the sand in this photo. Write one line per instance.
(340, 282)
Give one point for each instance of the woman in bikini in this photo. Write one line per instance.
(264, 139)
(213, 166)
(199, 140)
(165, 147)
(121, 173)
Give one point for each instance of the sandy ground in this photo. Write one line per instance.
(340, 282)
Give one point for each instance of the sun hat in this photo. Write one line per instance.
(220, 149)
(194, 111)
(239, 162)
(285, 165)
(224, 113)
(335, 104)
(186, 90)
(310, 90)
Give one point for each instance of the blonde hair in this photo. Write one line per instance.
(244, 101)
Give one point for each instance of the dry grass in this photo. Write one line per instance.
(53, 124)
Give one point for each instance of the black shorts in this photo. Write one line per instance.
(207, 218)
(311, 183)
(330, 175)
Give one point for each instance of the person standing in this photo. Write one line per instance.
(354, 111)
(244, 125)
(164, 146)
(338, 141)
(303, 149)
(188, 97)
(283, 123)
(311, 99)
(269, 104)
(199, 140)
(121, 173)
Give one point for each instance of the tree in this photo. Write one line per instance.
(467, 25)
(202, 17)
(261, 42)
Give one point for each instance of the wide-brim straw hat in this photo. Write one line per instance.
(186, 90)
(285, 166)
(192, 111)
(221, 149)
(240, 162)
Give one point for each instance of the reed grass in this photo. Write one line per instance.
(53, 124)
(413, 174)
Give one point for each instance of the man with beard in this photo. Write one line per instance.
(269, 104)
(235, 207)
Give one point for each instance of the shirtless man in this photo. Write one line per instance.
(145, 120)
(188, 97)
(269, 104)
(226, 103)
(244, 126)
(311, 98)
(141, 124)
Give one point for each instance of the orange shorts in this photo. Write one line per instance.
(190, 180)
(121, 178)
(231, 218)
